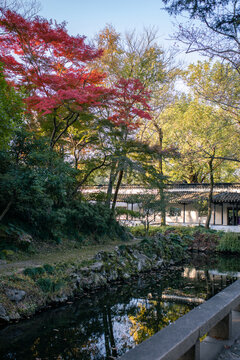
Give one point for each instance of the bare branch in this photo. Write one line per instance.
(27, 8)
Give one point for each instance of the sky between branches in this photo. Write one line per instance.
(88, 17)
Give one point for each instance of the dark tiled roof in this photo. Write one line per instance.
(227, 197)
(178, 193)
(205, 186)
(188, 197)
(222, 197)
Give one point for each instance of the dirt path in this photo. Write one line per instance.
(57, 256)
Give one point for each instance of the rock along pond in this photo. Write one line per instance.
(106, 324)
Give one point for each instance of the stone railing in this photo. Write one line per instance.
(181, 340)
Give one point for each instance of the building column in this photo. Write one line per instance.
(222, 213)
(214, 214)
(184, 215)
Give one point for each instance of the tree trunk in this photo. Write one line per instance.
(120, 176)
(75, 158)
(111, 335)
(147, 224)
(106, 332)
(6, 209)
(81, 182)
(210, 195)
(163, 205)
(162, 196)
(112, 177)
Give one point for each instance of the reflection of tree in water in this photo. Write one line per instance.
(110, 344)
(109, 323)
(152, 316)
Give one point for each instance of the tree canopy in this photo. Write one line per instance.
(109, 113)
(215, 30)
(11, 111)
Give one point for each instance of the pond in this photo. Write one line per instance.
(106, 324)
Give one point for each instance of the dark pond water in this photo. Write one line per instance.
(108, 323)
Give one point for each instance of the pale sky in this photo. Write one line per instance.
(88, 17)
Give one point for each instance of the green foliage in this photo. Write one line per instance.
(87, 218)
(48, 268)
(176, 239)
(34, 181)
(194, 237)
(199, 131)
(36, 185)
(39, 275)
(139, 230)
(47, 285)
(216, 32)
(169, 244)
(12, 240)
(169, 248)
(201, 206)
(34, 272)
(123, 211)
(149, 206)
(11, 111)
(218, 82)
(228, 263)
(174, 211)
(6, 254)
(230, 242)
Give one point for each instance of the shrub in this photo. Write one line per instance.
(47, 285)
(176, 239)
(35, 272)
(87, 218)
(139, 230)
(45, 205)
(48, 268)
(6, 254)
(229, 242)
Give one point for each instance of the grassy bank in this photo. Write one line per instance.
(36, 287)
(49, 273)
(196, 238)
(52, 253)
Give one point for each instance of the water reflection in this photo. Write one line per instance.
(107, 324)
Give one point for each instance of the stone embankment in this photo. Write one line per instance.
(22, 295)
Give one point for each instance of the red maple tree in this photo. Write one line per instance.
(130, 103)
(52, 66)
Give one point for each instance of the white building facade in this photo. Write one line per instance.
(185, 204)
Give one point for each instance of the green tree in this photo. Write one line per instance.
(215, 32)
(217, 83)
(11, 111)
(201, 133)
(196, 129)
(133, 56)
(149, 205)
(36, 185)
